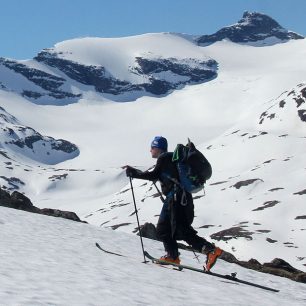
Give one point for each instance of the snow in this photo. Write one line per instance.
(222, 118)
(95, 51)
(52, 261)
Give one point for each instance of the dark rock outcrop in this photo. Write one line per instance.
(148, 230)
(187, 71)
(240, 184)
(60, 213)
(284, 106)
(278, 267)
(232, 233)
(267, 204)
(19, 201)
(158, 76)
(50, 84)
(253, 27)
(13, 183)
(96, 76)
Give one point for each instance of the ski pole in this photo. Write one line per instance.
(160, 194)
(140, 235)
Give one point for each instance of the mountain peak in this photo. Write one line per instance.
(258, 20)
(254, 27)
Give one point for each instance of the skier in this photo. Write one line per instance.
(177, 213)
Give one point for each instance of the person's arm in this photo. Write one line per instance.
(146, 175)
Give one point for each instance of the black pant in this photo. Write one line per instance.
(175, 224)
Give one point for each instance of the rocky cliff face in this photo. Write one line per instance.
(46, 84)
(253, 27)
(160, 75)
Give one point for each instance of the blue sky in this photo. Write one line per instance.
(28, 26)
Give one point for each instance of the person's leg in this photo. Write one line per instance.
(198, 243)
(164, 233)
(189, 234)
(185, 231)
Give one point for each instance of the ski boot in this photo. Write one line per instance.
(212, 257)
(169, 259)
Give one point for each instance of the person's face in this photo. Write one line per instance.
(155, 152)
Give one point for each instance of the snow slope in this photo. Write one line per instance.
(222, 117)
(52, 261)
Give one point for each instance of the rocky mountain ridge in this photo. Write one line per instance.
(253, 28)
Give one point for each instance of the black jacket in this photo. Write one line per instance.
(181, 215)
(165, 170)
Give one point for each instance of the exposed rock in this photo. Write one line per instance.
(280, 264)
(276, 189)
(287, 103)
(271, 240)
(277, 267)
(5, 198)
(148, 230)
(263, 231)
(232, 233)
(19, 201)
(300, 217)
(49, 83)
(96, 76)
(12, 182)
(60, 213)
(268, 161)
(160, 75)
(267, 204)
(114, 227)
(301, 192)
(240, 184)
(60, 177)
(302, 114)
(253, 27)
(3, 153)
(41, 148)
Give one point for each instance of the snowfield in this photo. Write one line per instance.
(51, 261)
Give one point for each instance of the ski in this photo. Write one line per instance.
(108, 252)
(231, 277)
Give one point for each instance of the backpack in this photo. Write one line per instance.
(193, 168)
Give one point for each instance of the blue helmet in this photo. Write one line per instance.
(160, 143)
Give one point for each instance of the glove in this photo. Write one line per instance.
(130, 172)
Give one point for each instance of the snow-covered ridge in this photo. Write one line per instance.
(254, 28)
(118, 69)
(25, 141)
